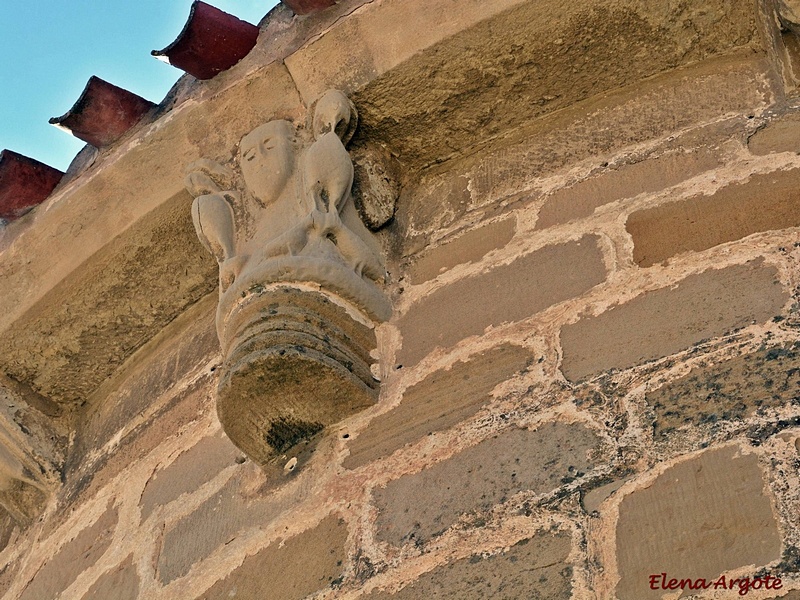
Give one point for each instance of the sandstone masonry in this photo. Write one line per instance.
(520, 321)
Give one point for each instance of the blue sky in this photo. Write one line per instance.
(50, 48)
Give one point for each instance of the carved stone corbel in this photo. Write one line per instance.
(299, 280)
(31, 452)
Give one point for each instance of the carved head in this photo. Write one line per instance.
(334, 112)
(267, 159)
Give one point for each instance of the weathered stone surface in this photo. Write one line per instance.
(300, 566)
(213, 524)
(765, 202)
(789, 13)
(425, 112)
(184, 345)
(469, 247)
(303, 7)
(32, 448)
(7, 525)
(296, 362)
(533, 569)
(7, 574)
(517, 291)
(80, 327)
(594, 498)
(780, 135)
(199, 464)
(73, 558)
(440, 401)
(159, 369)
(595, 128)
(376, 185)
(732, 389)
(480, 477)
(698, 519)
(120, 583)
(668, 320)
(627, 181)
(22, 499)
(362, 43)
(85, 480)
(84, 277)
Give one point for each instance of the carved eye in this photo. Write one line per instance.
(268, 144)
(249, 154)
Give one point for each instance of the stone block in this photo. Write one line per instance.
(194, 467)
(627, 181)
(82, 329)
(364, 42)
(426, 113)
(595, 129)
(668, 320)
(481, 476)
(440, 401)
(120, 583)
(73, 558)
(468, 247)
(732, 389)
(84, 480)
(505, 294)
(763, 203)
(780, 135)
(698, 519)
(185, 344)
(532, 569)
(213, 524)
(290, 570)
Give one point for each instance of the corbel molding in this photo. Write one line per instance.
(300, 277)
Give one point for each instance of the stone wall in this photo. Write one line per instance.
(592, 373)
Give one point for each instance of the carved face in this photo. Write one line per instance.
(267, 159)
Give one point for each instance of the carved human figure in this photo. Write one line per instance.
(286, 223)
(267, 160)
(297, 266)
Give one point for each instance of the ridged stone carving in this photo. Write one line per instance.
(31, 451)
(299, 281)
